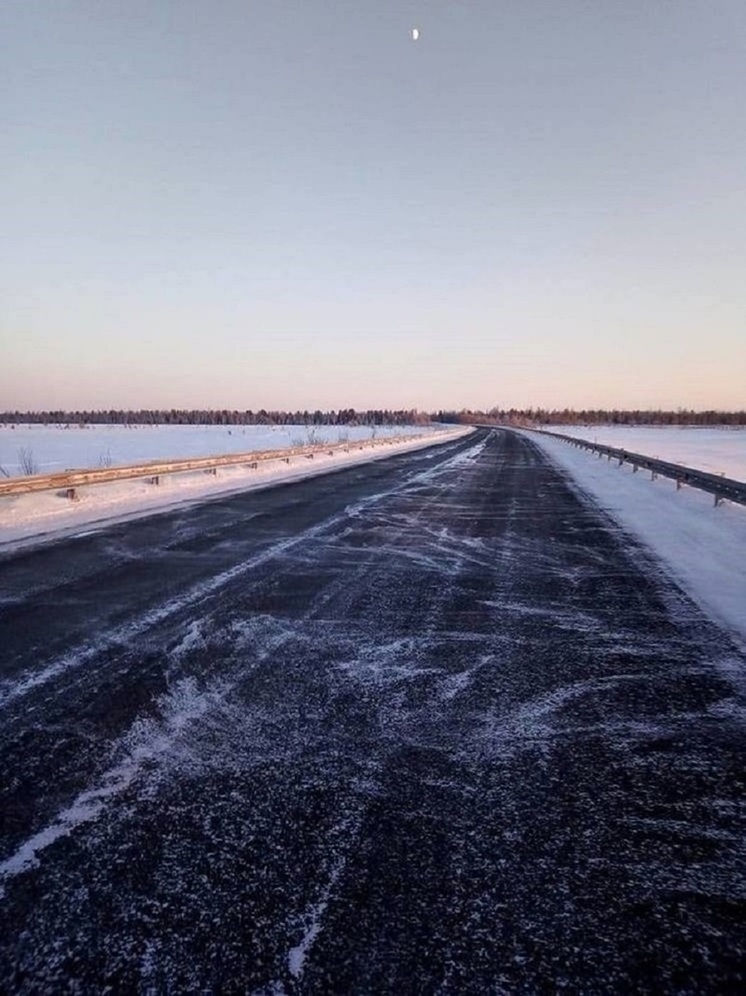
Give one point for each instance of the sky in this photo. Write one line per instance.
(291, 204)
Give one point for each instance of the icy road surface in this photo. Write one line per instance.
(429, 725)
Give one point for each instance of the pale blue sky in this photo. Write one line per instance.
(289, 203)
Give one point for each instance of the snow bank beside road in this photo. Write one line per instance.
(703, 547)
(42, 515)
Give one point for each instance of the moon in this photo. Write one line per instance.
(415, 34)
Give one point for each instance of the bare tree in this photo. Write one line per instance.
(26, 461)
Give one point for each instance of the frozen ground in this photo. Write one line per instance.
(703, 546)
(28, 517)
(718, 451)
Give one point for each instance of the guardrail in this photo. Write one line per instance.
(723, 488)
(68, 481)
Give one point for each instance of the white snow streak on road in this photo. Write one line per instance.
(181, 708)
(145, 743)
(313, 918)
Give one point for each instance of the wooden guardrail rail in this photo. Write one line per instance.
(721, 487)
(69, 480)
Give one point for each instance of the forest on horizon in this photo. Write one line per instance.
(379, 416)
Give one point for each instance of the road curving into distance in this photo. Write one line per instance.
(428, 725)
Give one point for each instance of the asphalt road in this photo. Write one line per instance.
(429, 725)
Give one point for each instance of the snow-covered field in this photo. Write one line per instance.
(703, 547)
(44, 514)
(716, 450)
(52, 449)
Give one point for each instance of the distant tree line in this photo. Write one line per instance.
(682, 416)
(224, 416)
(594, 416)
(378, 416)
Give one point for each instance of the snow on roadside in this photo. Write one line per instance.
(716, 450)
(45, 515)
(703, 547)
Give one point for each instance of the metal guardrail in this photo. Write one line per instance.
(68, 481)
(723, 488)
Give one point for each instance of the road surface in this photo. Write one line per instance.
(428, 725)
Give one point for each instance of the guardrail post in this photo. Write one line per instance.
(679, 482)
(718, 500)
